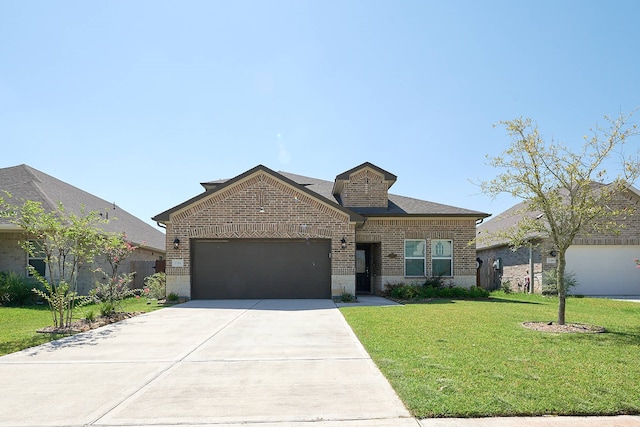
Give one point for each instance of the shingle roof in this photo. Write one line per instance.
(26, 183)
(487, 231)
(398, 205)
(214, 186)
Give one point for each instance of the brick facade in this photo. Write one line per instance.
(262, 204)
(365, 188)
(261, 207)
(391, 233)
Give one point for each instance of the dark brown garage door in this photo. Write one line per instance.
(256, 269)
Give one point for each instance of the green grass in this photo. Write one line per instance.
(18, 325)
(474, 359)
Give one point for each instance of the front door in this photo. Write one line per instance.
(363, 268)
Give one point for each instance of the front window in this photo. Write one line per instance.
(442, 258)
(414, 258)
(36, 258)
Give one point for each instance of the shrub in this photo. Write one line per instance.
(107, 308)
(173, 297)
(550, 282)
(506, 287)
(347, 297)
(434, 282)
(90, 314)
(114, 289)
(15, 289)
(411, 292)
(155, 286)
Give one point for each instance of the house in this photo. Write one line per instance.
(267, 234)
(26, 183)
(602, 263)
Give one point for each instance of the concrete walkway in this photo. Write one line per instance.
(266, 363)
(222, 363)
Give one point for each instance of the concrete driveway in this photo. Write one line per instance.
(223, 363)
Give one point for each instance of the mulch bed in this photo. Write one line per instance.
(84, 325)
(576, 328)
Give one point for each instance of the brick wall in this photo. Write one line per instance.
(391, 233)
(260, 207)
(12, 257)
(365, 188)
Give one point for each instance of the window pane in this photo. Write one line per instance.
(361, 261)
(441, 267)
(414, 248)
(39, 266)
(414, 267)
(441, 248)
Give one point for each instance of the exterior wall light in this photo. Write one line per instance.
(553, 253)
(343, 243)
(176, 243)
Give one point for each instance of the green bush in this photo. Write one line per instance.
(506, 287)
(155, 286)
(107, 308)
(550, 282)
(434, 282)
(16, 290)
(406, 292)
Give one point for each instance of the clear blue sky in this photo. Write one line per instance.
(138, 102)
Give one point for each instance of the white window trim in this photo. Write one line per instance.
(450, 258)
(423, 258)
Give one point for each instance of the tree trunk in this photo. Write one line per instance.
(562, 295)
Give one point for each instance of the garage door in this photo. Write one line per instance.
(604, 270)
(264, 268)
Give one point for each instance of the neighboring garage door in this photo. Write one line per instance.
(264, 268)
(604, 270)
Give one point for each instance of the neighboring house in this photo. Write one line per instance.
(266, 234)
(26, 183)
(603, 263)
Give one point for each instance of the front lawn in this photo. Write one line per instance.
(474, 359)
(18, 325)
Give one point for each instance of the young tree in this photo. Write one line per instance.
(569, 190)
(114, 287)
(66, 241)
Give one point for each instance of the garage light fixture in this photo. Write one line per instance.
(176, 243)
(343, 243)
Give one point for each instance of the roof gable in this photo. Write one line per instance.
(387, 177)
(216, 187)
(397, 205)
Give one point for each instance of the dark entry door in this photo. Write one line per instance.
(363, 268)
